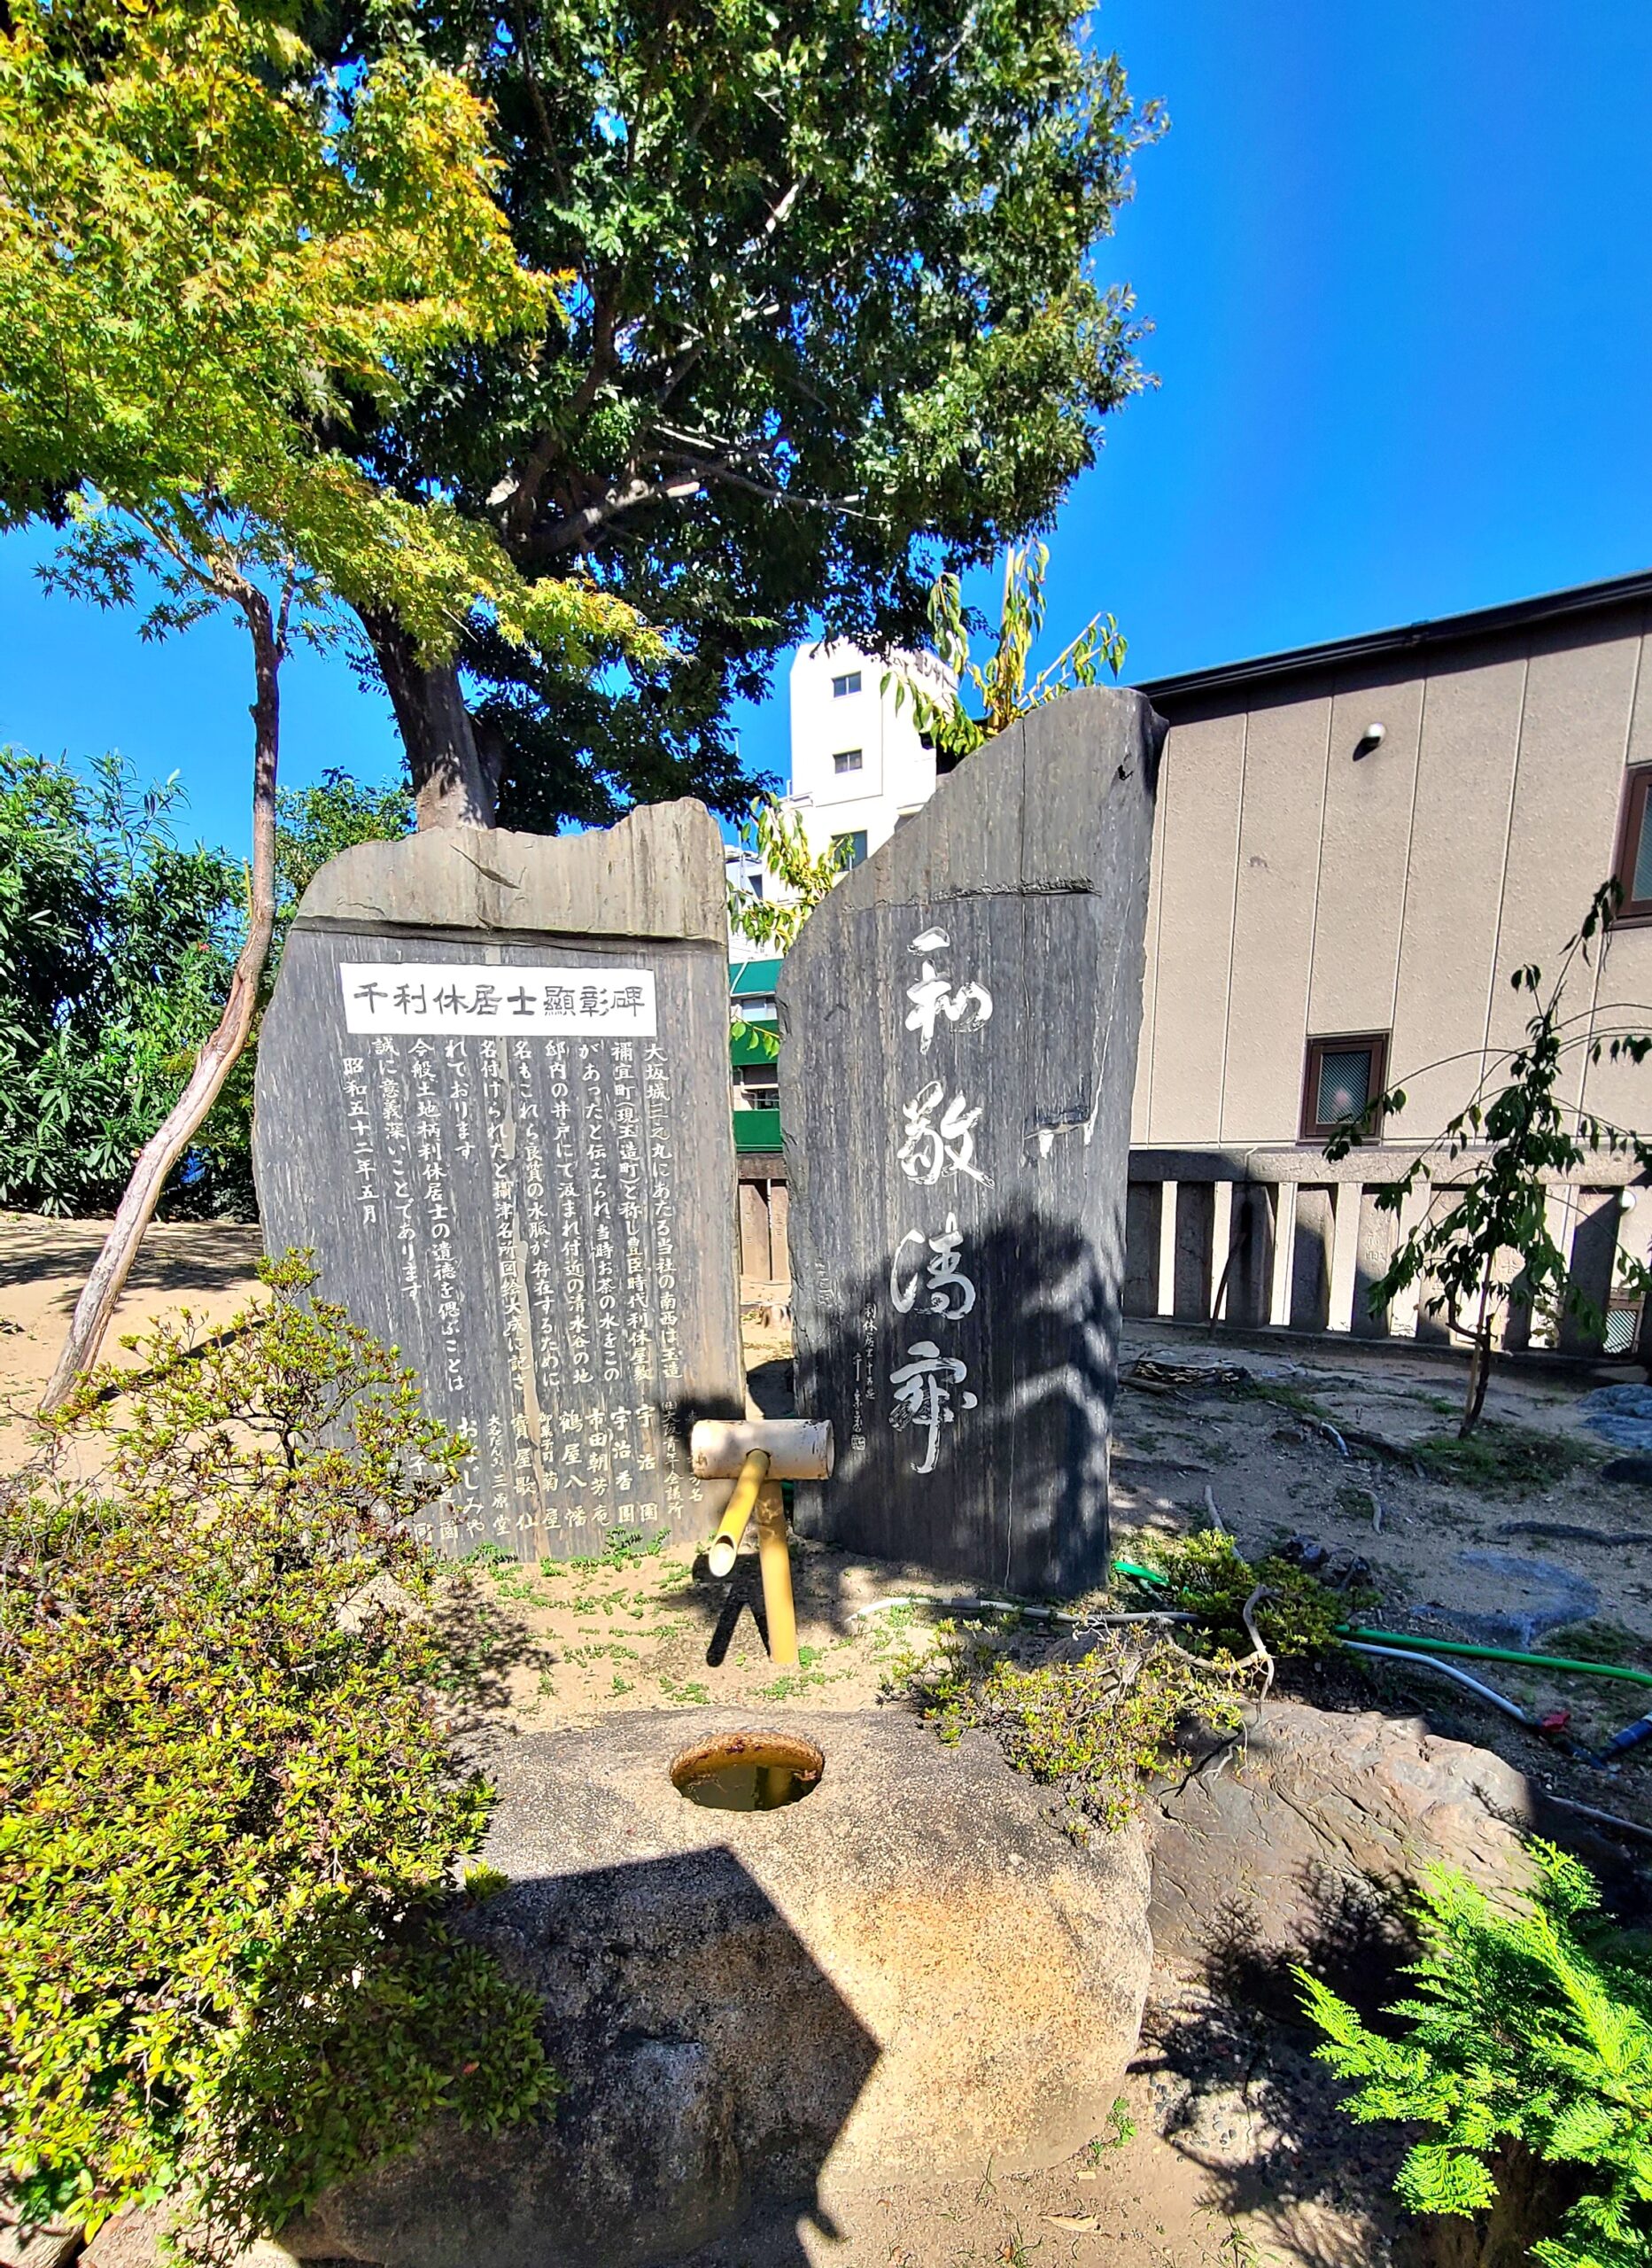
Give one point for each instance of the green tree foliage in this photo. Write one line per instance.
(115, 947)
(1530, 2028)
(209, 243)
(231, 1814)
(832, 312)
(1001, 686)
(315, 824)
(1484, 1240)
(211, 247)
(776, 836)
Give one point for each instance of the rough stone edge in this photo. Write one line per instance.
(658, 873)
(1093, 730)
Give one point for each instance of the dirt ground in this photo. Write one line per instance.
(1226, 2147)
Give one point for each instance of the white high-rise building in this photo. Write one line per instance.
(859, 764)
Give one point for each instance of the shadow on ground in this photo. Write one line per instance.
(1238, 2092)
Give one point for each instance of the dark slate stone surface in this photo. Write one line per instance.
(957, 1176)
(524, 1188)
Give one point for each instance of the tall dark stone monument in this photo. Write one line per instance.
(493, 1097)
(960, 1022)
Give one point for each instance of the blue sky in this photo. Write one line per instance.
(1400, 268)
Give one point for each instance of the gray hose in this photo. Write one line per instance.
(1010, 1606)
(1448, 1669)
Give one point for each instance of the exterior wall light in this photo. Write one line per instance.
(1370, 741)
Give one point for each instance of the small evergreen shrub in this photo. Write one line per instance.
(230, 1813)
(1296, 1615)
(1095, 1728)
(1529, 2027)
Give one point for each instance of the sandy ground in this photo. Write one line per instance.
(1235, 2152)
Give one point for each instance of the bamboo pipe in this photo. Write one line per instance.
(754, 1472)
(774, 1560)
(800, 1449)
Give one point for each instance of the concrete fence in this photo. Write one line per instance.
(1281, 1238)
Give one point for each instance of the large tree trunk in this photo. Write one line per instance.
(456, 778)
(164, 1148)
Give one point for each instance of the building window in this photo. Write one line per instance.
(847, 759)
(1635, 845)
(851, 848)
(1344, 1075)
(849, 682)
(757, 1087)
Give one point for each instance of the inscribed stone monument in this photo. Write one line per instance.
(492, 1098)
(960, 1022)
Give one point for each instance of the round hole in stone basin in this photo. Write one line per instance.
(748, 1771)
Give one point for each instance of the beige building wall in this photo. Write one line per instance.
(1302, 892)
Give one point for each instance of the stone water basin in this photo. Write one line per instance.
(912, 1971)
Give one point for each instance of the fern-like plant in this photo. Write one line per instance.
(1529, 2027)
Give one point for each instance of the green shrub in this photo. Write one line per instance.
(1096, 1728)
(1501, 1460)
(231, 1814)
(115, 953)
(1297, 1614)
(1529, 2027)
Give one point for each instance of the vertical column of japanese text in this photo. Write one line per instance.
(505, 1429)
(661, 1161)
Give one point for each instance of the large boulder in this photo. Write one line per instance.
(909, 1972)
(1320, 1816)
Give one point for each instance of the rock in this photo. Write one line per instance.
(136, 2239)
(1296, 1852)
(1620, 1414)
(53, 2245)
(1629, 1471)
(1536, 1594)
(960, 1019)
(910, 1970)
(492, 1102)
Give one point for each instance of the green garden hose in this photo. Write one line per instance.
(1407, 1638)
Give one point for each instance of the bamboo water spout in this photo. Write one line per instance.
(762, 1452)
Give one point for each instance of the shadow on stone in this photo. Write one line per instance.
(694, 2100)
(1234, 2075)
(1023, 1476)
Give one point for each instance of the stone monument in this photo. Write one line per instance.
(959, 1021)
(492, 1098)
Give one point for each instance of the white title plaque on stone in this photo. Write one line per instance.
(464, 1000)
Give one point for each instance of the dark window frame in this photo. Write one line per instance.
(1631, 821)
(1340, 1043)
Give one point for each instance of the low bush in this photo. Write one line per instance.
(1502, 1459)
(1529, 2032)
(1296, 1614)
(231, 1813)
(1096, 1728)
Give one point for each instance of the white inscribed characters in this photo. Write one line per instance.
(938, 1136)
(923, 1394)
